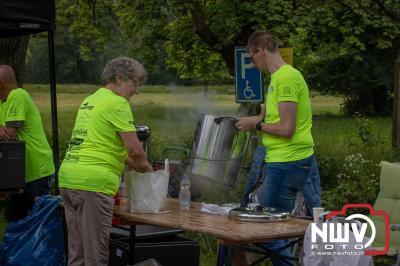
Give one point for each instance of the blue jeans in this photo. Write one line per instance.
(281, 183)
(255, 173)
(311, 190)
(20, 204)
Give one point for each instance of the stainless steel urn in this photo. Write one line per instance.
(217, 149)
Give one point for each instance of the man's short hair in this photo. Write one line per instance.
(262, 39)
(7, 74)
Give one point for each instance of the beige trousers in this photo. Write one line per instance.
(88, 216)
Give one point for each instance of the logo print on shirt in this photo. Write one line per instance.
(86, 108)
(74, 143)
(287, 91)
(270, 89)
(13, 111)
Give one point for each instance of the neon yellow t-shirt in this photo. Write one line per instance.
(38, 155)
(96, 153)
(287, 84)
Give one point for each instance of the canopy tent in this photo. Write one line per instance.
(24, 17)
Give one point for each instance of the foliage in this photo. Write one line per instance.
(186, 53)
(358, 182)
(364, 130)
(91, 23)
(358, 176)
(200, 36)
(69, 66)
(352, 46)
(327, 165)
(87, 36)
(344, 47)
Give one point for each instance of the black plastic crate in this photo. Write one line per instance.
(166, 250)
(12, 165)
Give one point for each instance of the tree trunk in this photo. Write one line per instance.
(396, 107)
(212, 40)
(13, 53)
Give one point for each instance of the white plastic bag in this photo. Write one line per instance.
(147, 192)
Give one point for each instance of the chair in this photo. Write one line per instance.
(388, 200)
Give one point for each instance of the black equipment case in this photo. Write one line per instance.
(12, 165)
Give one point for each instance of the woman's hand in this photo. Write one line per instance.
(140, 168)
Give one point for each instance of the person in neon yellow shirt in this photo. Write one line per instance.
(285, 124)
(20, 120)
(103, 138)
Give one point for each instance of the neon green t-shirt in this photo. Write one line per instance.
(96, 153)
(38, 155)
(287, 84)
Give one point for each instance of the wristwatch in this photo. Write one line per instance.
(258, 125)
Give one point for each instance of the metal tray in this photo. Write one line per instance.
(259, 214)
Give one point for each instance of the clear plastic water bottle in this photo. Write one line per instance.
(184, 194)
(253, 201)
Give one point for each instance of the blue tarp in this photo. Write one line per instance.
(37, 239)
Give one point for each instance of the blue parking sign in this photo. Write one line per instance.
(249, 81)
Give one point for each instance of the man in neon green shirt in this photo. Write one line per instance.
(286, 124)
(103, 138)
(20, 120)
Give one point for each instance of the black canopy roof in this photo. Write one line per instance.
(22, 17)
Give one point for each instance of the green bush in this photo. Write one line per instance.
(358, 182)
(356, 176)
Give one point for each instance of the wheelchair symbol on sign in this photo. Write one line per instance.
(248, 91)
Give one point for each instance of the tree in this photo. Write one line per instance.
(13, 52)
(200, 35)
(89, 32)
(345, 47)
(352, 46)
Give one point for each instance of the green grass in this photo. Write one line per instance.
(90, 88)
(163, 108)
(172, 112)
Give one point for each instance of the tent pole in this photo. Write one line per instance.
(53, 94)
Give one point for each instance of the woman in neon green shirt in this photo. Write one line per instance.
(103, 139)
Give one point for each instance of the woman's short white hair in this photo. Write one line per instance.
(124, 68)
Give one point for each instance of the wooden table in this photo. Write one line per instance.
(229, 231)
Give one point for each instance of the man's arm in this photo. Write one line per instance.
(7, 133)
(4, 134)
(13, 127)
(137, 158)
(286, 126)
